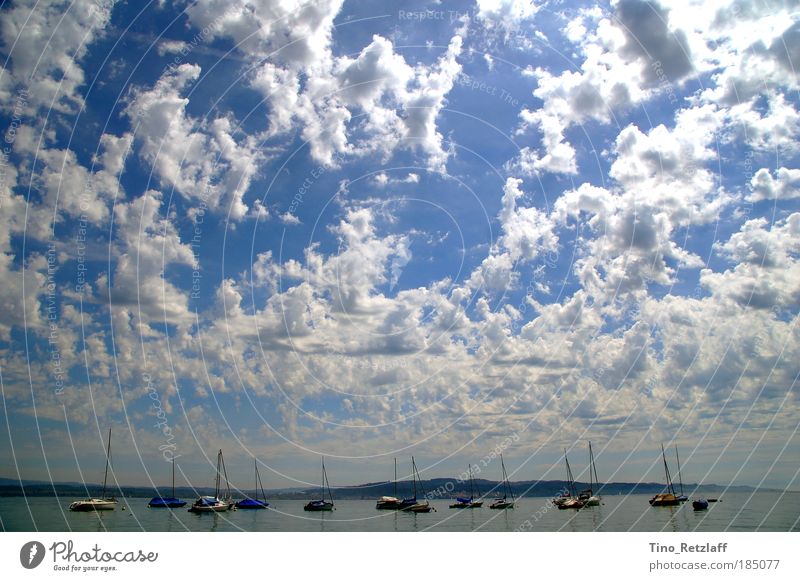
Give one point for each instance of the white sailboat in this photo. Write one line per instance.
(390, 502)
(214, 503)
(102, 503)
(587, 496)
(503, 502)
(418, 505)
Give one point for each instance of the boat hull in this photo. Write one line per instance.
(592, 501)
(419, 507)
(466, 505)
(209, 504)
(501, 504)
(699, 505)
(571, 503)
(664, 500)
(252, 504)
(318, 506)
(389, 503)
(159, 502)
(202, 509)
(93, 504)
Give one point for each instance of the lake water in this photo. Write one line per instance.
(738, 511)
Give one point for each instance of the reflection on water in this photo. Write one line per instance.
(738, 512)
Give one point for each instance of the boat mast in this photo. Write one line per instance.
(593, 467)
(260, 484)
(666, 471)
(506, 483)
(471, 485)
(680, 478)
(108, 458)
(325, 482)
(216, 482)
(417, 477)
(173, 478)
(225, 472)
(414, 477)
(395, 476)
(570, 480)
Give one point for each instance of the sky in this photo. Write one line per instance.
(375, 230)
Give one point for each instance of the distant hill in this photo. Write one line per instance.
(434, 488)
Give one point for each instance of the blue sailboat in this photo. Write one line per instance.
(462, 502)
(255, 503)
(169, 502)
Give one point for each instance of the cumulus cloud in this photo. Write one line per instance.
(662, 52)
(45, 45)
(765, 275)
(784, 186)
(200, 158)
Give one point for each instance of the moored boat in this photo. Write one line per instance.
(102, 503)
(255, 503)
(700, 504)
(569, 498)
(503, 503)
(668, 497)
(390, 502)
(167, 502)
(417, 506)
(463, 502)
(214, 503)
(322, 505)
(587, 496)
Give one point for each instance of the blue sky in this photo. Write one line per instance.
(441, 229)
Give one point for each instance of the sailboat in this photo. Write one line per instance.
(390, 502)
(470, 502)
(681, 497)
(170, 502)
(568, 499)
(214, 503)
(101, 503)
(504, 502)
(255, 503)
(322, 504)
(665, 498)
(421, 506)
(587, 496)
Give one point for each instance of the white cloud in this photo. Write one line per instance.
(784, 186)
(45, 43)
(201, 159)
(767, 270)
(527, 232)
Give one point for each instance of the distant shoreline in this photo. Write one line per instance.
(436, 488)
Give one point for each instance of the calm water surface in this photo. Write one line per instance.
(738, 511)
